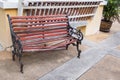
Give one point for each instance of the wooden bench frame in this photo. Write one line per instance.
(18, 49)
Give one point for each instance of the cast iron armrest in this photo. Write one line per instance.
(16, 41)
(75, 33)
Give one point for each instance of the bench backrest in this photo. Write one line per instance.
(49, 26)
(78, 10)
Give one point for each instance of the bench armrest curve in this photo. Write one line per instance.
(75, 33)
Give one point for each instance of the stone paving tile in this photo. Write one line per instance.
(75, 67)
(89, 43)
(98, 37)
(107, 69)
(112, 41)
(115, 53)
(72, 69)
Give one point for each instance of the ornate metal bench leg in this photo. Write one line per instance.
(79, 51)
(73, 44)
(20, 62)
(21, 67)
(13, 55)
(67, 46)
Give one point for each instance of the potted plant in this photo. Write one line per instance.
(110, 14)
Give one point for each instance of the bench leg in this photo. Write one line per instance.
(13, 55)
(67, 46)
(20, 62)
(79, 51)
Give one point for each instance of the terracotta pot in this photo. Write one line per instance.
(105, 26)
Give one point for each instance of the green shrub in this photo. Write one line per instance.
(111, 11)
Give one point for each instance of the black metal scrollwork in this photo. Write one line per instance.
(75, 33)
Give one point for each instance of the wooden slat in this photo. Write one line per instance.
(44, 48)
(40, 30)
(34, 24)
(30, 50)
(46, 16)
(37, 24)
(38, 19)
(42, 41)
(38, 33)
(24, 27)
(43, 36)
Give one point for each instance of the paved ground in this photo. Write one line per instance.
(107, 69)
(55, 65)
(74, 68)
(35, 65)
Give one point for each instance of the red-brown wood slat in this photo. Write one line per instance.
(39, 30)
(38, 41)
(43, 36)
(57, 19)
(32, 50)
(38, 27)
(42, 32)
(38, 23)
(45, 48)
(35, 24)
(45, 16)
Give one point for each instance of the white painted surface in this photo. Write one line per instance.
(76, 24)
(8, 4)
(64, 0)
(94, 23)
(46, 7)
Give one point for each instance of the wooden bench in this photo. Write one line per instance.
(42, 33)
